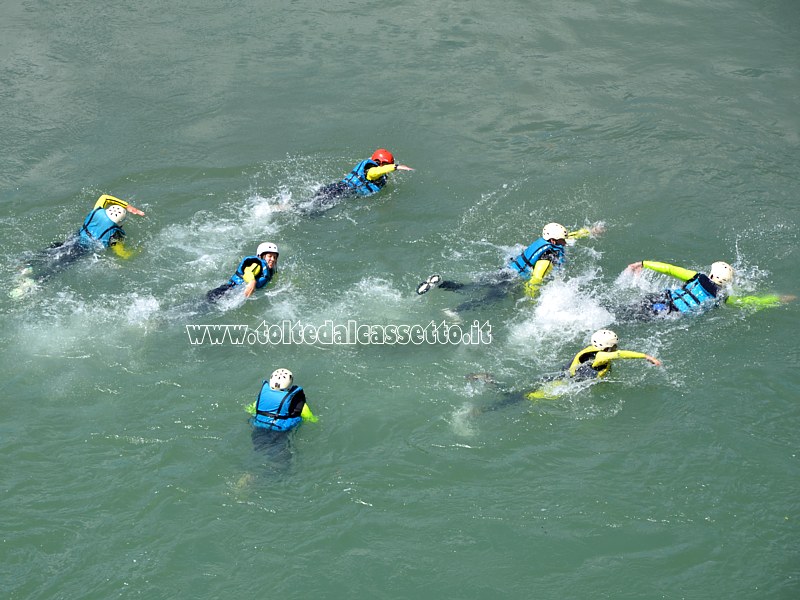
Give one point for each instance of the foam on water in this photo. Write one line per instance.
(212, 238)
(563, 313)
(371, 299)
(66, 321)
(140, 309)
(462, 421)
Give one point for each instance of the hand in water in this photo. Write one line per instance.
(634, 267)
(597, 229)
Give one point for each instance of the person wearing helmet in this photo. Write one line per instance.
(280, 405)
(592, 362)
(699, 292)
(595, 360)
(254, 271)
(538, 260)
(533, 265)
(101, 229)
(368, 177)
(103, 226)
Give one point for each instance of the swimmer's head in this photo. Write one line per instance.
(267, 247)
(721, 273)
(281, 379)
(604, 339)
(554, 231)
(382, 156)
(116, 213)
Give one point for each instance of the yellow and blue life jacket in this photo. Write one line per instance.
(279, 410)
(358, 182)
(698, 292)
(262, 276)
(523, 264)
(98, 228)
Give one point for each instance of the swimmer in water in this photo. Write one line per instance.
(367, 178)
(699, 292)
(532, 266)
(253, 272)
(592, 362)
(101, 230)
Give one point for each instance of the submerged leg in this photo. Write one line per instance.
(326, 198)
(219, 292)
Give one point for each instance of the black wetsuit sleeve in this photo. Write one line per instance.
(297, 404)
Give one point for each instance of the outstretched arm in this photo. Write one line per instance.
(107, 200)
(583, 232)
(376, 173)
(758, 302)
(602, 358)
(663, 268)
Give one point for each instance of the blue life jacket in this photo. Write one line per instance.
(279, 410)
(358, 182)
(98, 228)
(262, 277)
(698, 292)
(523, 264)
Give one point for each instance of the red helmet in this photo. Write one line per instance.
(382, 156)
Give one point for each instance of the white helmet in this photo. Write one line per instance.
(721, 273)
(554, 231)
(266, 247)
(604, 339)
(281, 379)
(116, 213)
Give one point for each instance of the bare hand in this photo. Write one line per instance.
(634, 267)
(788, 298)
(403, 168)
(134, 210)
(597, 229)
(249, 289)
(653, 360)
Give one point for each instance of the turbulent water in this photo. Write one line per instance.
(128, 466)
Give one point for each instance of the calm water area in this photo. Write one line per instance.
(128, 468)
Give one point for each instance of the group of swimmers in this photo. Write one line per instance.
(281, 404)
(699, 292)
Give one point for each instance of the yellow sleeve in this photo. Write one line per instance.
(105, 201)
(251, 408)
(629, 354)
(307, 415)
(756, 302)
(376, 173)
(120, 250)
(540, 270)
(250, 273)
(603, 358)
(668, 269)
(580, 233)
